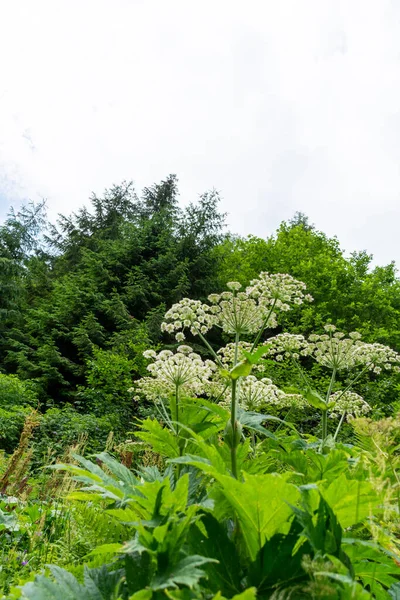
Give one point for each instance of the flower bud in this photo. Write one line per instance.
(232, 435)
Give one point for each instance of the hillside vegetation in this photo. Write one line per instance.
(220, 414)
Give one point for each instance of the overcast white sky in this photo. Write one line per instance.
(282, 105)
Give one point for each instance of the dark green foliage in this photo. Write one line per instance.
(110, 269)
(11, 424)
(61, 428)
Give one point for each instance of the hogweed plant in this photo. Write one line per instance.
(239, 314)
(336, 353)
(234, 376)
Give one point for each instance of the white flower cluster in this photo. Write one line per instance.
(254, 393)
(334, 350)
(188, 314)
(350, 403)
(288, 345)
(278, 289)
(237, 313)
(184, 370)
(378, 357)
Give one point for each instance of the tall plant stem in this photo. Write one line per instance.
(235, 359)
(233, 411)
(234, 428)
(324, 421)
(263, 326)
(178, 470)
(177, 409)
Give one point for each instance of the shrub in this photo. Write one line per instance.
(60, 428)
(14, 392)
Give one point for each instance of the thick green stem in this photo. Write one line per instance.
(324, 427)
(236, 349)
(178, 470)
(234, 428)
(177, 409)
(263, 326)
(324, 421)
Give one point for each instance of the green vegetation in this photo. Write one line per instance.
(187, 414)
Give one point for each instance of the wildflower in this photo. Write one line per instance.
(236, 313)
(377, 357)
(278, 290)
(288, 345)
(334, 350)
(188, 314)
(254, 393)
(184, 370)
(234, 286)
(350, 403)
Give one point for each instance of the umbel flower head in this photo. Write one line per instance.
(350, 403)
(288, 345)
(278, 290)
(336, 351)
(332, 349)
(254, 394)
(184, 370)
(377, 357)
(188, 314)
(236, 311)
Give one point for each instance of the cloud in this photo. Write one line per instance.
(282, 106)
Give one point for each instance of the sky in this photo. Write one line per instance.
(280, 105)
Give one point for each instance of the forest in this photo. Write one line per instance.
(189, 414)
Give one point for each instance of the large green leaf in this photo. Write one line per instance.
(161, 439)
(278, 564)
(186, 572)
(315, 399)
(99, 584)
(351, 500)
(260, 504)
(320, 526)
(212, 538)
(373, 566)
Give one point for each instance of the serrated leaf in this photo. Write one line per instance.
(99, 584)
(185, 572)
(160, 438)
(260, 503)
(254, 357)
